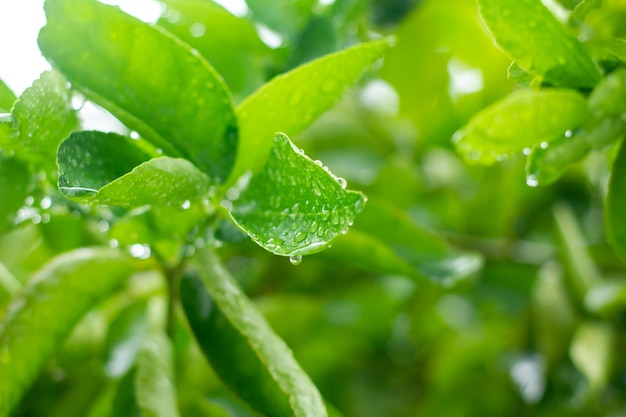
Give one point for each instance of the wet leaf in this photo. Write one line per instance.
(47, 308)
(150, 80)
(294, 206)
(7, 97)
(249, 357)
(107, 168)
(154, 380)
(292, 101)
(43, 117)
(15, 181)
(536, 40)
(546, 164)
(521, 120)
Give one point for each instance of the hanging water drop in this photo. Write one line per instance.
(295, 259)
(186, 205)
(532, 181)
(342, 182)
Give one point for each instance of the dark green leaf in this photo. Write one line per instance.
(107, 168)
(44, 117)
(154, 380)
(294, 206)
(7, 97)
(616, 203)
(536, 40)
(519, 121)
(242, 347)
(124, 403)
(15, 179)
(44, 312)
(150, 80)
(292, 101)
(229, 43)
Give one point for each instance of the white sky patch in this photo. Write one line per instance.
(237, 7)
(268, 36)
(464, 79)
(146, 10)
(21, 62)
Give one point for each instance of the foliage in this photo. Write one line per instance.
(133, 279)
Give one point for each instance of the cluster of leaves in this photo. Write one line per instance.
(162, 198)
(130, 260)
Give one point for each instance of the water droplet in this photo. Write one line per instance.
(532, 181)
(134, 135)
(114, 243)
(568, 133)
(30, 200)
(344, 231)
(543, 145)
(300, 237)
(295, 259)
(294, 226)
(45, 203)
(335, 218)
(342, 182)
(320, 231)
(186, 204)
(103, 226)
(139, 251)
(526, 151)
(319, 163)
(197, 30)
(313, 227)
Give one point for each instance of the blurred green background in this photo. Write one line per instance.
(518, 337)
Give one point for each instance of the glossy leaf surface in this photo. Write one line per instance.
(519, 121)
(107, 168)
(44, 312)
(292, 101)
(149, 79)
(255, 362)
(536, 40)
(154, 380)
(294, 206)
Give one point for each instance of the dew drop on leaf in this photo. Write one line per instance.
(295, 259)
(342, 182)
(532, 181)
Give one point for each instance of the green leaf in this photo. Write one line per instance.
(147, 78)
(546, 164)
(536, 40)
(616, 48)
(615, 206)
(517, 74)
(107, 168)
(292, 101)
(294, 206)
(15, 180)
(592, 352)
(44, 117)
(154, 380)
(285, 16)
(607, 298)
(241, 346)
(520, 121)
(7, 97)
(46, 309)
(124, 339)
(384, 239)
(230, 44)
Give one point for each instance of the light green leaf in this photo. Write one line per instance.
(546, 164)
(285, 16)
(147, 78)
(519, 121)
(607, 298)
(294, 206)
(231, 44)
(7, 97)
(615, 206)
(15, 180)
(154, 380)
(107, 168)
(292, 101)
(536, 40)
(616, 48)
(124, 339)
(241, 346)
(46, 309)
(581, 269)
(592, 351)
(43, 117)
(385, 240)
